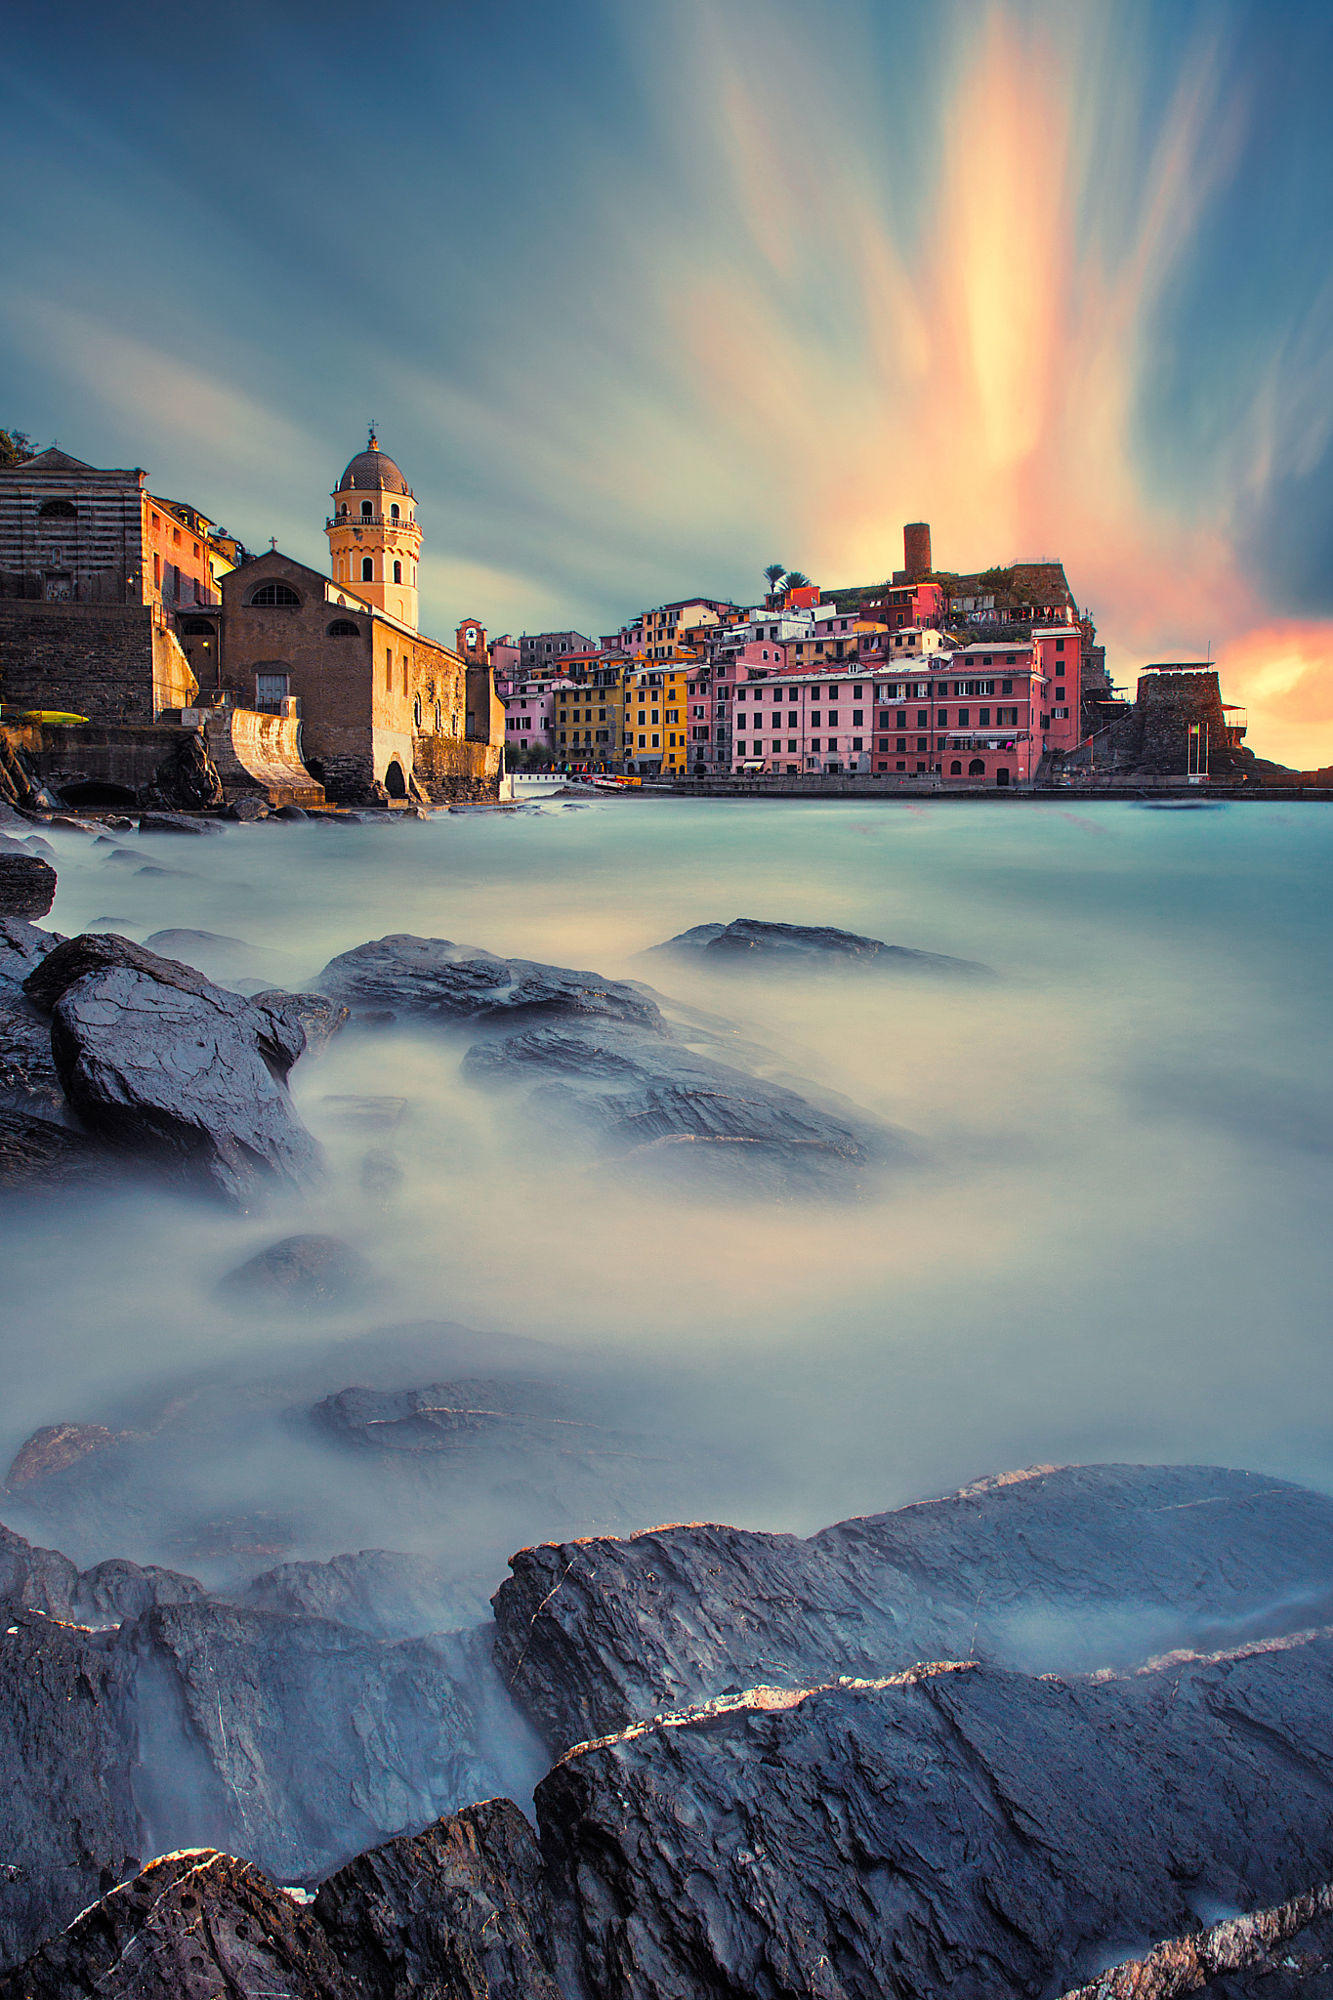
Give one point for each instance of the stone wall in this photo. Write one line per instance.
(450, 767)
(109, 662)
(95, 763)
(1154, 736)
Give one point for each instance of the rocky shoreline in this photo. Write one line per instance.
(1030, 1739)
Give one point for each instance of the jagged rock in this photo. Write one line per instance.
(193, 1926)
(296, 1740)
(954, 1827)
(21, 946)
(156, 1058)
(176, 822)
(39, 1156)
(1284, 1953)
(187, 776)
(71, 1830)
(27, 883)
(809, 946)
(679, 1111)
(318, 1018)
(434, 979)
(309, 1272)
(37, 1579)
(28, 1079)
(1053, 1570)
(460, 1911)
(379, 1591)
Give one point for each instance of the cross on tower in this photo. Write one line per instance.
(373, 446)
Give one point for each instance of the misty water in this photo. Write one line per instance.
(1113, 1243)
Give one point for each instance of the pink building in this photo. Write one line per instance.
(530, 715)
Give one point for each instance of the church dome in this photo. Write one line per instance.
(374, 469)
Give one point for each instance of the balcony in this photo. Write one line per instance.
(368, 521)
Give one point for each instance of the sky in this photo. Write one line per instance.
(644, 295)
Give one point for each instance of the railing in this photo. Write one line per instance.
(370, 521)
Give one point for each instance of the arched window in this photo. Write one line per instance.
(393, 510)
(56, 510)
(276, 593)
(416, 713)
(439, 719)
(398, 572)
(342, 510)
(955, 769)
(366, 510)
(977, 768)
(197, 628)
(343, 628)
(367, 570)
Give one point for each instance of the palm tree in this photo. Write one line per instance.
(795, 579)
(775, 573)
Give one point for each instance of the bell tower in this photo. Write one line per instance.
(374, 540)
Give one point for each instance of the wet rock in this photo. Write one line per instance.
(248, 806)
(460, 1910)
(682, 1113)
(71, 1830)
(178, 943)
(52, 1448)
(176, 822)
(193, 1926)
(380, 1591)
(1285, 1953)
(435, 980)
(307, 1272)
(954, 1827)
(318, 1018)
(1079, 1568)
(22, 945)
(27, 883)
(37, 1579)
(297, 1740)
(157, 1059)
(41, 848)
(291, 813)
(440, 1417)
(37, 1155)
(28, 1079)
(809, 946)
(187, 776)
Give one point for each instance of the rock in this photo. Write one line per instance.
(21, 946)
(176, 822)
(298, 1741)
(680, 1112)
(460, 1911)
(41, 848)
(433, 979)
(1054, 1571)
(306, 1272)
(291, 813)
(37, 1155)
(318, 1018)
(808, 946)
(52, 1448)
(439, 1417)
(27, 883)
(176, 943)
(1275, 1954)
(28, 1079)
(155, 1058)
(379, 1591)
(37, 1579)
(187, 776)
(247, 806)
(953, 1827)
(193, 1926)
(71, 1830)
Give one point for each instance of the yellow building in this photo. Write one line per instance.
(588, 716)
(657, 715)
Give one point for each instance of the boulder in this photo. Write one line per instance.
(309, 1273)
(380, 1591)
(21, 946)
(810, 946)
(248, 806)
(1052, 1570)
(196, 1925)
(27, 883)
(460, 1911)
(157, 1059)
(176, 822)
(435, 980)
(318, 1018)
(441, 1416)
(954, 1827)
(290, 812)
(187, 777)
(51, 1449)
(679, 1112)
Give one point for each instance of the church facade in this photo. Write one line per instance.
(383, 708)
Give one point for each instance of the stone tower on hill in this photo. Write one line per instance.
(374, 540)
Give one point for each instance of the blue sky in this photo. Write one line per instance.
(646, 295)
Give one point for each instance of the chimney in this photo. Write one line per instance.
(916, 550)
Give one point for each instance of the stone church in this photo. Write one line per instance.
(382, 707)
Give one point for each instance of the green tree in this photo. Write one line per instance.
(775, 573)
(15, 446)
(795, 579)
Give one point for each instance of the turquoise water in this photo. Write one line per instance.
(1115, 1245)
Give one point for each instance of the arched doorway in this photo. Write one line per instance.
(97, 792)
(395, 784)
(977, 768)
